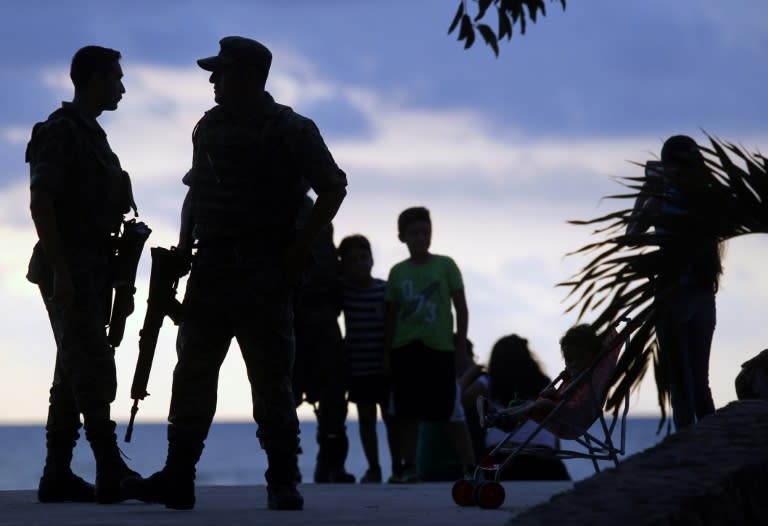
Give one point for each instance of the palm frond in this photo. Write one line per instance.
(623, 273)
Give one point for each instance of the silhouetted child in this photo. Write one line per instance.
(424, 356)
(364, 318)
(514, 373)
(580, 347)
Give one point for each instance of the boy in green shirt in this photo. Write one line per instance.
(423, 355)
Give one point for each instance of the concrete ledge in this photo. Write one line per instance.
(714, 473)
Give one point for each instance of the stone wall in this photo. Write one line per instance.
(713, 473)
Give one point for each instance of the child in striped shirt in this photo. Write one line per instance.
(364, 315)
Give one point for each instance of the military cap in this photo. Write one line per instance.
(241, 51)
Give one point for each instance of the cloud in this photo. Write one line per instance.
(18, 237)
(439, 144)
(15, 135)
(740, 28)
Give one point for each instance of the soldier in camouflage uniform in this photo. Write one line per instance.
(79, 194)
(252, 158)
(319, 370)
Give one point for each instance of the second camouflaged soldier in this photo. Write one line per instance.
(318, 371)
(252, 159)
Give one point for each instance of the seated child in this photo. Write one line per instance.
(580, 346)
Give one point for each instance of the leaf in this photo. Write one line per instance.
(467, 31)
(489, 37)
(466, 27)
(505, 27)
(509, 13)
(470, 38)
(512, 8)
(483, 7)
(621, 274)
(456, 18)
(516, 12)
(534, 6)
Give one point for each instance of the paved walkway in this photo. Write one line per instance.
(325, 504)
(713, 473)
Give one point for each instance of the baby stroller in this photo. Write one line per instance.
(580, 404)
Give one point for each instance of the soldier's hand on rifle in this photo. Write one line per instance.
(183, 260)
(124, 303)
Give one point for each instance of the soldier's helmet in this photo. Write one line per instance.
(235, 50)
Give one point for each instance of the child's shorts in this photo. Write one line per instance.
(423, 382)
(369, 389)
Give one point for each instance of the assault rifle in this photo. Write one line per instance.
(126, 260)
(167, 266)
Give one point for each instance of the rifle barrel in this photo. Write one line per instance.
(129, 429)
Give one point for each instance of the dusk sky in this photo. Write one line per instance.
(503, 151)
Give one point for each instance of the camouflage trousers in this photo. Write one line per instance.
(84, 379)
(319, 378)
(319, 374)
(220, 306)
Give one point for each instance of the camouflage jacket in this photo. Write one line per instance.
(70, 159)
(250, 174)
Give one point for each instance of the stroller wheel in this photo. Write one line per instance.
(463, 492)
(489, 494)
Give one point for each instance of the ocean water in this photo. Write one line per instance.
(232, 455)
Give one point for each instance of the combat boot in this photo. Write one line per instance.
(322, 473)
(58, 483)
(174, 485)
(61, 485)
(335, 475)
(281, 486)
(331, 454)
(284, 498)
(175, 490)
(111, 470)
